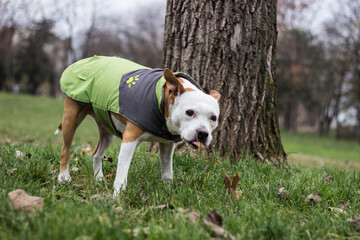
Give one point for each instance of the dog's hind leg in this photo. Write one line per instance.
(105, 140)
(72, 117)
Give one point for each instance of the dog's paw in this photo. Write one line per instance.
(64, 177)
(99, 177)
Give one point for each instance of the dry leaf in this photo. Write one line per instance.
(282, 192)
(328, 179)
(193, 215)
(144, 196)
(87, 149)
(356, 222)
(74, 169)
(76, 158)
(341, 205)
(231, 185)
(19, 154)
(214, 221)
(11, 171)
(313, 198)
(21, 200)
(5, 149)
(0, 160)
(336, 210)
(169, 206)
(110, 176)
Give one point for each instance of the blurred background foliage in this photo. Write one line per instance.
(318, 68)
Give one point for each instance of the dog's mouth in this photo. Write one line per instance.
(197, 145)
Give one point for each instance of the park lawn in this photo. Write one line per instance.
(83, 208)
(309, 149)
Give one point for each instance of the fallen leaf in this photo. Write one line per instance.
(341, 205)
(87, 149)
(144, 196)
(76, 158)
(191, 214)
(214, 217)
(282, 192)
(95, 196)
(214, 221)
(74, 169)
(0, 160)
(328, 179)
(231, 185)
(110, 176)
(5, 149)
(313, 198)
(169, 206)
(11, 171)
(355, 222)
(20, 200)
(53, 172)
(336, 210)
(19, 154)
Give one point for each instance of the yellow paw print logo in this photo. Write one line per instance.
(132, 80)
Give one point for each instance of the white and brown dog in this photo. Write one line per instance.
(137, 104)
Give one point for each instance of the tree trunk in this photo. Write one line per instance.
(230, 46)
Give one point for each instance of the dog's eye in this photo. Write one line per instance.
(213, 118)
(190, 113)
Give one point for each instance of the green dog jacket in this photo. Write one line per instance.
(113, 84)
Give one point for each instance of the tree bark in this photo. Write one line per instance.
(230, 46)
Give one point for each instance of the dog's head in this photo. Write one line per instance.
(189, 112)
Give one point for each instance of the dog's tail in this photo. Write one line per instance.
(58, 129)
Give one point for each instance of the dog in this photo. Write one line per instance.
(137, 104)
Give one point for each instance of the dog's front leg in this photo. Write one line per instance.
(166, 157)
(125, 155)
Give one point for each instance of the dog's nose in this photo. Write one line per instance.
(202, 135)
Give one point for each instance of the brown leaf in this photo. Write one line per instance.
(20, 200)
(214, 221)
(5, 149)
(11, 171)
(214, 217)
(336, 210)
(164, 206)
(87, 149)
(313, 198)
(282, 192)
(0, 160)
(235, 182)
(74, 169)
(341, 205)
(328, 179)
(110, 176)
(238, 194)
(227, 182)
(144, 196)
(193, 215)
(356, 222)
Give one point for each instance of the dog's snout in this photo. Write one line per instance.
(202, 135)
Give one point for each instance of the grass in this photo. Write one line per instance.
(72, 212)
(311, 150)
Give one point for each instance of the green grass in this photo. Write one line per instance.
(310, 149)
(70, 212)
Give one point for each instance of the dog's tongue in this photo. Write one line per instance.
(198, 144)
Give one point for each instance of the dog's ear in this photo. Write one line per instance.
(215, 94)
(173, 83)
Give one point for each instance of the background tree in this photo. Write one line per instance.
(230, 46)
(34, 66)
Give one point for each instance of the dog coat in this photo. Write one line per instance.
(118, 85)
